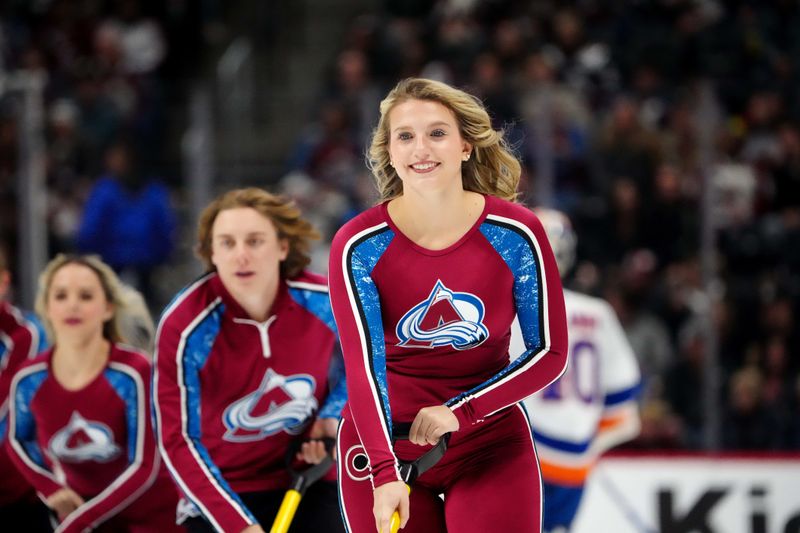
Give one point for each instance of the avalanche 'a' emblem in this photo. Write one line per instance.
(445, 317)
(281, 403)
(84, 440)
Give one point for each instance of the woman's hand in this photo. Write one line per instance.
(431, 423)
(255, 528)
(314, 452)
(63, 502)
(387, 499)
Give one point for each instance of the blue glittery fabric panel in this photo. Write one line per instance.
(25, 428)
(337, 397)
(318, 303)
(125, 387)
(520, 259)
(195, 354)
(364, 258)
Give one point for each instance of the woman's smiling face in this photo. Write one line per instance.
(425, 145)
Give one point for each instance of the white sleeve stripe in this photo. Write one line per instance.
(362, 333)
(12, 423)
(538, 467)
(32, 329)
(5, 339)
(340, 472)
(179, 300)
(33, 351)
(161, 445)
(184, 425)
(132, 468)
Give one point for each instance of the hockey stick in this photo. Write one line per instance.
(623, 504)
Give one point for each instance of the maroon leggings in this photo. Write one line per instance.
(489, 477)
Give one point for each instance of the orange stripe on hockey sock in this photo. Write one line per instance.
(564, 475)
(609, 422)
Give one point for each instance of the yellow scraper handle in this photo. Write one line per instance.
(286, 512)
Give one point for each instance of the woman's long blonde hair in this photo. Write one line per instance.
(130, 322)
(492, 168)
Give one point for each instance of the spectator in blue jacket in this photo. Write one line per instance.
(128, 219)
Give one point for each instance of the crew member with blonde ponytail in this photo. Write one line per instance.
(79, 414)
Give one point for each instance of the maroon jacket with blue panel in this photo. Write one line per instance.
(423, 327)
(232, 393)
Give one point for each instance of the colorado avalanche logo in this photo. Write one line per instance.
(82, 440)
(280, 403)
(445, 317)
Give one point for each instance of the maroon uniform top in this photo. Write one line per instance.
(232, 393)
(420, 327)
(97, 440)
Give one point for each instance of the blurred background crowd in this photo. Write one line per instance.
(668, 130)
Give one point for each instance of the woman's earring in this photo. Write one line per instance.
(466, 157)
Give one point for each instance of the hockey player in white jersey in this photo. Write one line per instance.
(592, 407)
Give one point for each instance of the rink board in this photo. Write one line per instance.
(687, 494)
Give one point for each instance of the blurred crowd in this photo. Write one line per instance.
(103, 66)
(606, 102)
